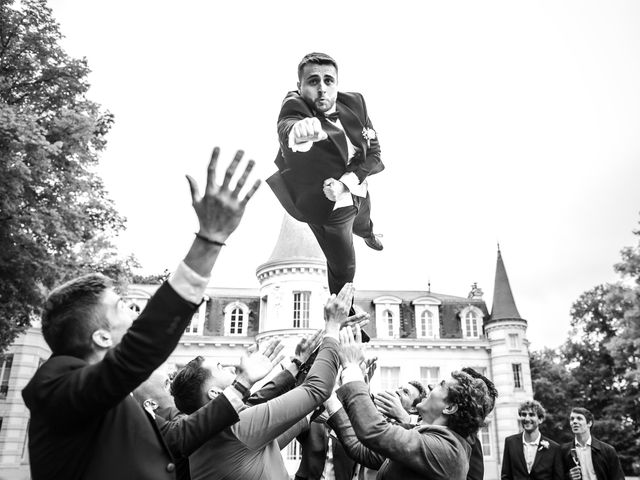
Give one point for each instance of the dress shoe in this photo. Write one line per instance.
(374, 242)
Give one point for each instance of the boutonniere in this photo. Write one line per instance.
(368, 134)
(543, 444)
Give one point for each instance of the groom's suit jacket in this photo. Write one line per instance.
(298, 182)
(546, 466)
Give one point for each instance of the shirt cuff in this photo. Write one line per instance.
(299, 147)
(188, 284)
(234, 397)
(351, 181)
(332, 405)
(352, 373)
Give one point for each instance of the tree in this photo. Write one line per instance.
(52, 203)
(597, 367)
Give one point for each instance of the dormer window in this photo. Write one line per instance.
(387, 316)
(236, 316)
(427, 315)
(471, 318)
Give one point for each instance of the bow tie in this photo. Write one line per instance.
(331, 116)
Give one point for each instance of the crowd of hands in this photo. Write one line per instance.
(219, 209)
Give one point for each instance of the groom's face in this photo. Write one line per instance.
(319, 86)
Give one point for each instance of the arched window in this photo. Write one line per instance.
(236, 326)
(471, 324)
(388, 321)
(236, 316)
(426, 324)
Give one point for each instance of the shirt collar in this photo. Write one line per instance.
(587, 443)
(535, 442)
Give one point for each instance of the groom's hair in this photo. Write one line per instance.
(317, 59)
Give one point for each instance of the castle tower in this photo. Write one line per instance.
(293, 284)
(506, 331)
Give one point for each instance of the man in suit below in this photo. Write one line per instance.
(85, 424)
(531, 455)
(586, 457)
(328, 148)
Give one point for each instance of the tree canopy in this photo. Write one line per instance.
(56, 219)
(597, 367)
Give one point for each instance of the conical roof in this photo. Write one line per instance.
(504, 306)
(295, 242)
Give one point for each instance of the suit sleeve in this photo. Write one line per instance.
(615, 468)
(263, 423)
(187, 433)
(293, 110)
(506, 473)
(340, 424)
(427, 454)
(281, 383)
(71, 396)
(558, 473)
(372, 162)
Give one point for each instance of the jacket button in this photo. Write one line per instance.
(171, 467)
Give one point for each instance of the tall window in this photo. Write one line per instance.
(236, 318)
(293, 451)
(514, 341)
(471, 324)
(301, 309)
(517, 375)
(389, 378)
(6, 361)
(429, 376)
(387, 317)
(236, 327)
(426, 324)
(485, 440)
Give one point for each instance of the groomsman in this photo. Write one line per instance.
(530, 455)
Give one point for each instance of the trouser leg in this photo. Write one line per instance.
(362, 224)
(335, 238)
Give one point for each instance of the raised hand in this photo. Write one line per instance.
(350, 351)
(389, 404)
(255, 365)
(220, 209)
(361, 319)
(337, 309)
(370, 365)
(308, 130)
(307, 345)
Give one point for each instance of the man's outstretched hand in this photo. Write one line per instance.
(220, 209)
(256, 365)
(337, 309)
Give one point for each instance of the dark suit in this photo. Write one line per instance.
(314, 444)
(86, 425)
(299, 181)
(426, 451)
(605, 460)
(546, 466)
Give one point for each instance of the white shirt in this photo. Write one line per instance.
(586, 464)
(530, 450)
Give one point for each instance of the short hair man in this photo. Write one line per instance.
(251, 448)
(435, 449)
(531, 455)
(84, 423)
(328, 148)
(401, 404)
(586, 457)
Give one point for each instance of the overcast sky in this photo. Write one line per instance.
(500, 121)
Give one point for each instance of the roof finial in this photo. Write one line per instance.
(498, 242)
(429, 286)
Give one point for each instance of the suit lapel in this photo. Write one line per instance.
(519, 447)
(336, 135)
(352, 125)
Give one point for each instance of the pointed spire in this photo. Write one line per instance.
(504, 306)
(295, 241)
